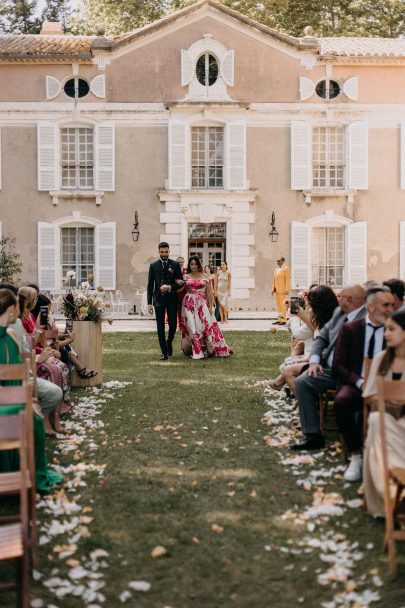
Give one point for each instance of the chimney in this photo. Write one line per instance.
(51, 28)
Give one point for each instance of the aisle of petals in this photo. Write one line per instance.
(320, 526)
(69, 571)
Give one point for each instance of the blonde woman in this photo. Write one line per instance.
(224, 280)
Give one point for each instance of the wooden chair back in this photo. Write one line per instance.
(14, 538)
(366, 405)
(391, 391)
(22, 395)
(29, 358)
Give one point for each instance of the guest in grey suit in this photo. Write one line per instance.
(319, 376)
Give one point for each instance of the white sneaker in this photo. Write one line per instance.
(354, 469)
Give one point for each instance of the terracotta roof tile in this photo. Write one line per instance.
(362, 47)
(28, 45)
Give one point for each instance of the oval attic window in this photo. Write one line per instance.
(207, 70)
(76, 88)
(327, 89)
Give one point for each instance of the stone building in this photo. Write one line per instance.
(205, 123)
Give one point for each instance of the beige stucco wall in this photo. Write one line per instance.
(22, 206)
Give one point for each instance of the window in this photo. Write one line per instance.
(328, 258)
(207, 157)
(328, 158)
(77, 255)
(327, 89)
(207, 70)
(77, 156)
(76, 88)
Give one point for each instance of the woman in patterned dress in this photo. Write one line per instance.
(198, 325)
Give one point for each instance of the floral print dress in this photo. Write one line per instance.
(198, 325)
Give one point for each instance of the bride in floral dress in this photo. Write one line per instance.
(198, 325)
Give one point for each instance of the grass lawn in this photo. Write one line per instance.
(187, 468)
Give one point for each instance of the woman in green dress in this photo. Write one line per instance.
(9, 353)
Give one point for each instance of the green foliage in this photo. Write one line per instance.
(19, 17)
(56, 10)
(10, 265)
(384, 18)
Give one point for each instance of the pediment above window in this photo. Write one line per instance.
(207, 69)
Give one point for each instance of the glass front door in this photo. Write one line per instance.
(208, 242)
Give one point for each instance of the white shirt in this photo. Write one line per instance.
(378, 344)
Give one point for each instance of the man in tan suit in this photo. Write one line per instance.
(281, 288)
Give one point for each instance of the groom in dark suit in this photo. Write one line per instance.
(165, 277)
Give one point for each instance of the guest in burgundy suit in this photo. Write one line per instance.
(357, 340)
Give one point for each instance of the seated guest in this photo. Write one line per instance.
(49, 395)
(42, 300)
(397, 288)
(9, 353)
(390, 365)
(356, 341)
(52, 368)
(67, 354)
(318, 378)
(321, 302)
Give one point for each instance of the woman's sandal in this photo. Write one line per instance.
(82, 373)
(275, 386)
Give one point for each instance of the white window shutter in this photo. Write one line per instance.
(358, 155)
(97, 86)
(47, 141)
(351, 88)
(48, 256)
(300, 255)
(307, 88)
(105, 156)
(106, 255)
(179, 162)
(227, 68)
(402, 250)
(236, 155)
(53, 87)
(356, 253)
(1, 163)
(187, 68)
(301, 155)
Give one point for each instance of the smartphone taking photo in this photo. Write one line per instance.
(294, 305)
(43, 316)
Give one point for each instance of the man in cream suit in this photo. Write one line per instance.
(280, 289)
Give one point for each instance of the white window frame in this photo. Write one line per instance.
(77, 156)
(49, 160)
(180, 160)
(302, 258)
(327, 164)
(62, 273)
(225, 58)
(207, 165)
(102, 250)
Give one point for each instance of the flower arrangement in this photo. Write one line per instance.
(81, 306)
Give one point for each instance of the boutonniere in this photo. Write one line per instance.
(170, 269)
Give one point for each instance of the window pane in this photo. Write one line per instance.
(207, 154)
(77, 158)
(328, 256)
(328, 157)
(77, 254)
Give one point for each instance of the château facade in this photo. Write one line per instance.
(205, 123)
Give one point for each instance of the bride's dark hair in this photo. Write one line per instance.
(194, 258)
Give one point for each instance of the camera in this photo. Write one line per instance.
(43, 316)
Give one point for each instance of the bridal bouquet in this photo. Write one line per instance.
(80, 306)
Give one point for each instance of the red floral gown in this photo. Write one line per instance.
(198, 325)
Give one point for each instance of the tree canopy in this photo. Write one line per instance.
(384, 18)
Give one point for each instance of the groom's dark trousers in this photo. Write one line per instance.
(164, 273)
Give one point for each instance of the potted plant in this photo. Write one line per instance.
(87, 311)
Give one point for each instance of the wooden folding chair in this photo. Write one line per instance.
(393, 392)
(366, 402)
(30, 358)
(14, 538)
(9, 482)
